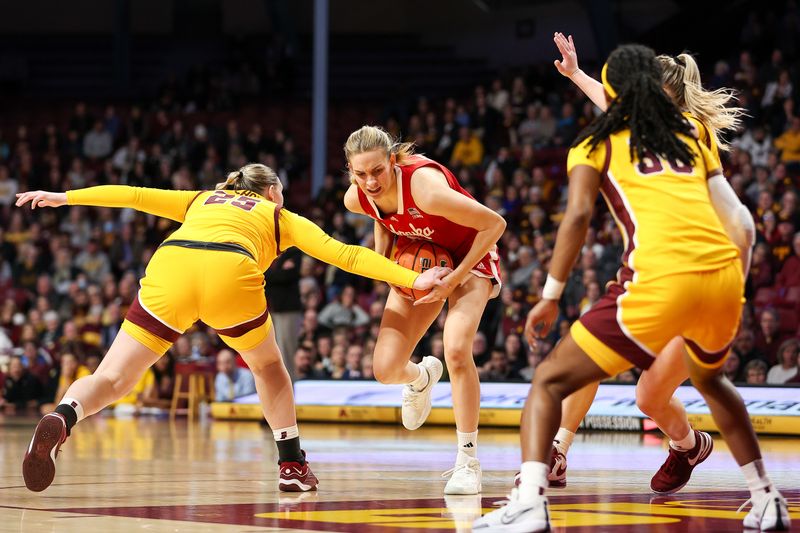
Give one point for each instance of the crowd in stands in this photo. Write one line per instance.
(68, 275)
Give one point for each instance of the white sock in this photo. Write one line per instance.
(756, 477)
(290, 432)
(76, 405)
(533, 480)
(468, 443)
(686, 443)
(563, 440)
(422, 380)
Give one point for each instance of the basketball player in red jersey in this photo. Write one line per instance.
(412, 197)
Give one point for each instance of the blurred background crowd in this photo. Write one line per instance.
(68, 275)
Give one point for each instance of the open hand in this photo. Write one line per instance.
(41, 199)
(543, 314)
(442, 288)
(569, 57)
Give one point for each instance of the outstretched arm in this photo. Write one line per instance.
(159, 202)
(568, 67)
(301, 232)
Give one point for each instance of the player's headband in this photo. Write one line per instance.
(606, 85)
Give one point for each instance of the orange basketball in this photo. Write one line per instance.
(420, 256)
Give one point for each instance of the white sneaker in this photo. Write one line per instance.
(516, 517)
(417, 405)
(465, 477)
(769, 513)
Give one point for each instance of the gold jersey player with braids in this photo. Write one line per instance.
(681, 277)
(710, 113)
(210, 269)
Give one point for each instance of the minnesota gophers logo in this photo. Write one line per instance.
(414, 213)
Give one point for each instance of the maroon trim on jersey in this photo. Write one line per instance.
(277, 214)
(709, 358)
(615, 203)
(601, 321)
(241, 329)
(139, 316)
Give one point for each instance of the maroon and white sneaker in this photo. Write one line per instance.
(557, 477)
(39, 466)
(295, 477)
(674, 474)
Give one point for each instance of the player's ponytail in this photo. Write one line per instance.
(681, 78)
(369, 138)
(632, 77)
(254, 177)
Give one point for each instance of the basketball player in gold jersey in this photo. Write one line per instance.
(210, 269)
(681, 277)
(710, 113)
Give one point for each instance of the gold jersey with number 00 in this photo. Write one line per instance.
(663, 209)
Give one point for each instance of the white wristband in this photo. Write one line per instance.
(552, 288)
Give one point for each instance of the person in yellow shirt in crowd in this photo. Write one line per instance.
(71, 371)
(789, 144)
(210, 269)
(468, 150)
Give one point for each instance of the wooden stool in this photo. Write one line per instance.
(197, 392)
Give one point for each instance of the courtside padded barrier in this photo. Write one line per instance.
(773, 410)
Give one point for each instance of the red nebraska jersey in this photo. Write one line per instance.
(412, 222)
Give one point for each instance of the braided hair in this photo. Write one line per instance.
(642, 106)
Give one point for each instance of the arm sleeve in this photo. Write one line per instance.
(159, 202)
(301, 232)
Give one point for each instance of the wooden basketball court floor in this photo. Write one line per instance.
(151, 475)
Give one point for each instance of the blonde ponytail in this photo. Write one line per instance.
(254, 177)
(681, 78)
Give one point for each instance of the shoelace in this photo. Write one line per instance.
(456, 468)
(510, 498)
(749, 500)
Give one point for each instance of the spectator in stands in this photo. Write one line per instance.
(768, 336)
(468, 150)
(70, 370)
(745, 346)
(789, 145)
(164, 386)
(231, 381)
(757, 143)
(338, 362)
(755, 372)
(535, 356)
(497, 368)
(789, 276)
(732, 366)
(283, 300)
(526, 264)
(761, 273)
(20, 389)
(304, 365)
(344, 311)
(786, 368)
(98, 143)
